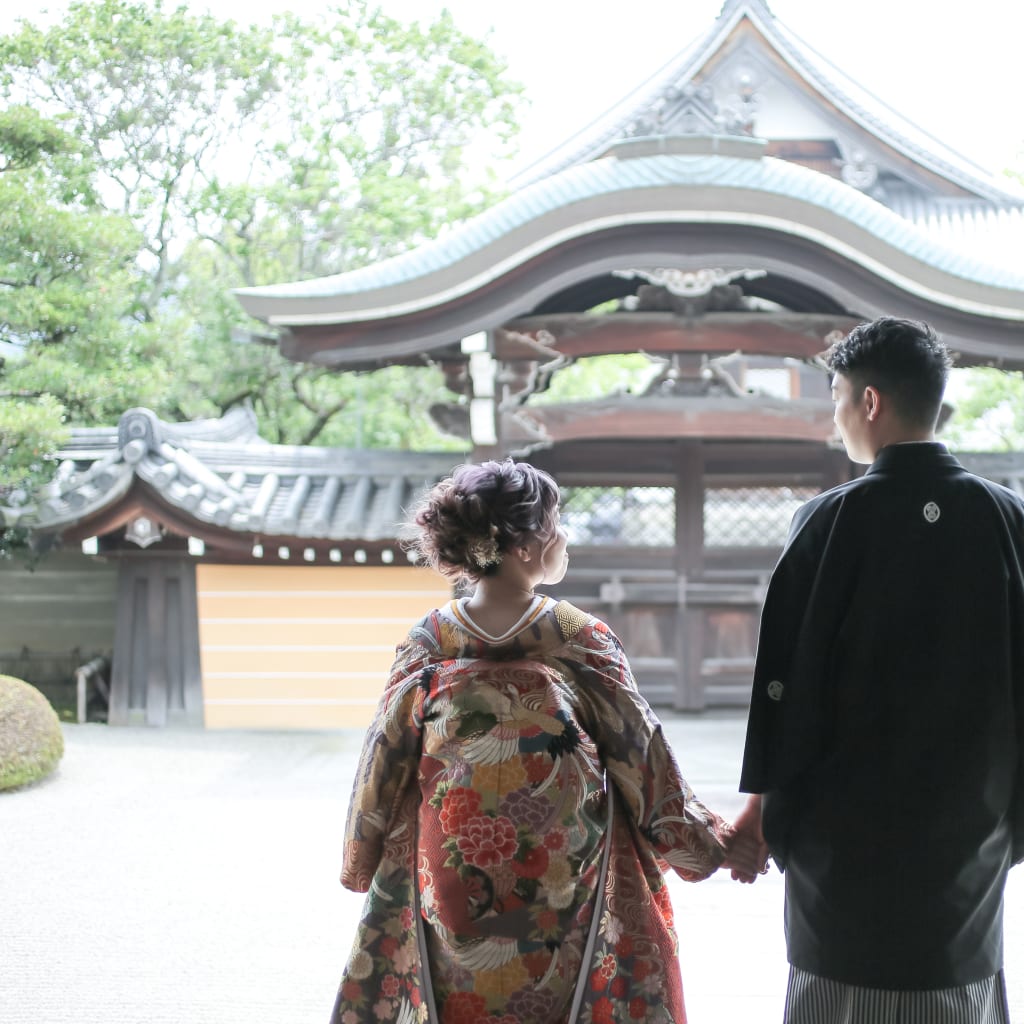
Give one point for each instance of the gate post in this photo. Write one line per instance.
(689, 694)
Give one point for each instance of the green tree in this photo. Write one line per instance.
(364, 151)
(989, 411)
(155, 96)
(598, 377)
(366, 155)
(247, 156)
(67, 288)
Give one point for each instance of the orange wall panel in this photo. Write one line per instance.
(323, 605)
(268, 687)
(304, 647)
(288, 716)
(281, 658)
(305, 633)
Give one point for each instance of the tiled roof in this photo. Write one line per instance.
(606, 178)
(991, 232)
(221, 473)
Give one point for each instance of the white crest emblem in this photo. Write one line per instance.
(931, 512)
(775, 689)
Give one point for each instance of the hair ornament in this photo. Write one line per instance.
(484, 552)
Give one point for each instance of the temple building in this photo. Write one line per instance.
(728, 221)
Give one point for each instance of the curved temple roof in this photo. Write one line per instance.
(860, 205)
(715, 173)
(700, 188)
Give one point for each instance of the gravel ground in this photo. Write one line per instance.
(188, 877)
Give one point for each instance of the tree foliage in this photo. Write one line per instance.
(152, 159)
(364, 154)
(66, 299)
(989, 411)
(599, 376)
(154, 96)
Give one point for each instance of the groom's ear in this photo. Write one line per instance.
(874, 402)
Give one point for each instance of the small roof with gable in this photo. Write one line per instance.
(218, 478)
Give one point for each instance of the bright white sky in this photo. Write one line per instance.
(953, 68)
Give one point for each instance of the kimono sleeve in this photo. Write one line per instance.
(772, 707)
(639, 761)
(790, 717)
(1017, 662)
(1017, 811)
(387, 766)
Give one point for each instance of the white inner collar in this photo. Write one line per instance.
(538, 599)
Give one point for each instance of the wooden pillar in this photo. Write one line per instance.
(155, 675)
(689, 695)
(837, 468)
(484, 397)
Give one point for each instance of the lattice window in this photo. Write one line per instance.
(631, 516)
(751, 517)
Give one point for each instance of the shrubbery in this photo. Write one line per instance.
(31, 740)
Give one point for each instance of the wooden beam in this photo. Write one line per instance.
(801, 335)
(712, 418)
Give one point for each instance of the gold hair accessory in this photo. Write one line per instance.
(484, 552)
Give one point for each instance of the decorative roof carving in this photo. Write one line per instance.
(858, 171)
(773, 334)
(693, 374)
(657, 298)
(693, 110)
(138, 432)
(688, 293)
(143, 531)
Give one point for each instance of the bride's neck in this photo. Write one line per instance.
(495, 592)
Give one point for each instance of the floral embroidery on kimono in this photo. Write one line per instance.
(513, 809)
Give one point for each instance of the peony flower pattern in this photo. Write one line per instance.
(458, 805)
(487, 842)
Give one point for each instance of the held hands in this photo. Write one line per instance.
(746, 852)
(743, 856)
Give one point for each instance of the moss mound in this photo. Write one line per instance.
(31, 741)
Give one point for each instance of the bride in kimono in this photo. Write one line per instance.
(516, 801)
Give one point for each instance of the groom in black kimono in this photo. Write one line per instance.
(885, 744)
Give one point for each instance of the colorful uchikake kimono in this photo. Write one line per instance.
(514, 806)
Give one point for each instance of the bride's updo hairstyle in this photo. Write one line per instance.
(464, 524)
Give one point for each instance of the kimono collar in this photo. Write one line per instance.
(916, 455)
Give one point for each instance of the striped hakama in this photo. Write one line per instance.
(811, 999)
